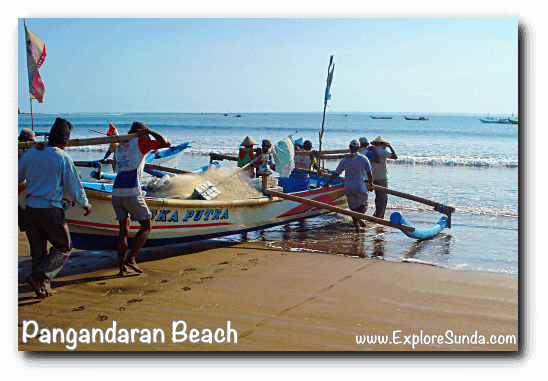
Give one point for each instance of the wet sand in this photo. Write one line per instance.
(275, 300)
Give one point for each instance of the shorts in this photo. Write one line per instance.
(133, 206)
(356, 200)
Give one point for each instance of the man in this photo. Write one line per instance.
(26, 135)
(380, 172)
(355, 186)
(303, 163)
(49, 172)
(370, 154)
(246, 156)
(127, 199)
(266, 145)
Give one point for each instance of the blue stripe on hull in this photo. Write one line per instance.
(85, 241)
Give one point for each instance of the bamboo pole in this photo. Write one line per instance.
(336, 209)
(437, 206)
(86, 142)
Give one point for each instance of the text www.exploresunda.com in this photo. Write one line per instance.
(449, 338)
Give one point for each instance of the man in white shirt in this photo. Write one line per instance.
(380, 172)
(127, 198)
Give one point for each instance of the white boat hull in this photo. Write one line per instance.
(177, 221)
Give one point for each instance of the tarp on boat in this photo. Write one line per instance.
(284, 156)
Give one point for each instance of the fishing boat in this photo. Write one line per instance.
(496, 121)
(168, 157)
(512, 121)
(419, 118)
(381, 117)
(177, 221)
(492, 120)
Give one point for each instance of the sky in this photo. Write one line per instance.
(436, 65)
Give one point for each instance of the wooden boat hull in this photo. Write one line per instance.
(178, 221)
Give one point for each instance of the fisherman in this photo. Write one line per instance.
(357, 167)
(246, 155)
(304, 163)
(111, 131)
(380, 172)
(26, 135)
(364, 145)
(49, 172)
(266, 145)
(127, 199)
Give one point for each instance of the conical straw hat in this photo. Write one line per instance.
(248, 142)
(379, 140)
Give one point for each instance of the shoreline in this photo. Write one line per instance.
(275, 300)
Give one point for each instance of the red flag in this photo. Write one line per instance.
(111, 130)
(36, 54)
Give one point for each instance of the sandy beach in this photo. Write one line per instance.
(274, 301)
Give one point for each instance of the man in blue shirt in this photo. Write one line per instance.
(49, 172)
(358, 181)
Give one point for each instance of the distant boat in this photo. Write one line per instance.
(498, 120)
(490, 120)
(226, 115)
(238, 116)
(348, 116)
(420, 118)
(381, 117)
(512, 121)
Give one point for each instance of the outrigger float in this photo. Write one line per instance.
(185, 220)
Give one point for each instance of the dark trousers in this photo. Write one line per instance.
(43, 225)
(381, 199)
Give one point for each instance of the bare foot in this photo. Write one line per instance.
(123, 271)
(133, 266)
(36, 286)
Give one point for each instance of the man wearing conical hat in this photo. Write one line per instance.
(245, 155)
(380, 172)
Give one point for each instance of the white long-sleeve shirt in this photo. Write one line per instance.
(50, 173)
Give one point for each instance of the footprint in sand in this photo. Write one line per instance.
(135, 300)
(241, 254)
(190, 269)
(185, 288)
(79, 308)
(102, 317)
(162, 281)
(223, 263)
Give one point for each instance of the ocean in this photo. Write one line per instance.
(455, 160)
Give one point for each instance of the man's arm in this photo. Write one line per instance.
(162, 142)
(393, 156)
(370, 183)
(72, 186)
(333, 176)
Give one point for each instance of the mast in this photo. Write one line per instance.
(28, 76)
(327, 97)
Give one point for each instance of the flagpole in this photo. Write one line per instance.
(323, 121)
(28, 76)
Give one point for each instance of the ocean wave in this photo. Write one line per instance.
(448, 160)
(506, 212)
(459, 160)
